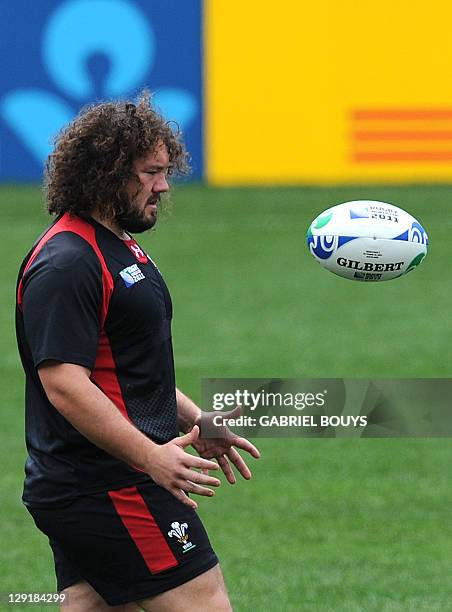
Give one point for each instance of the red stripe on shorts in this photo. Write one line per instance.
(143, 529)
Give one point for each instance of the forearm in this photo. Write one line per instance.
(187, 412)
(92, 413)
(89, 410)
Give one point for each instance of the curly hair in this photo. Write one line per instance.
(93, 156)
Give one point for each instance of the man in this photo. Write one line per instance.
(107, 477)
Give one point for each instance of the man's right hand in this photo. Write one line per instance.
(172, 468)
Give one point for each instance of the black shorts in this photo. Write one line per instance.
(128, 544)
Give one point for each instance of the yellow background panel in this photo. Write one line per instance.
(284, 79)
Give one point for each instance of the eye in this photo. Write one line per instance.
(165, 171)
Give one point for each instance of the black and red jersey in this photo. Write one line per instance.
(85, 296)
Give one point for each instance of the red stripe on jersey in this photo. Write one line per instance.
(76, 225)
(104, 374)
(143, 529)
(105, 377)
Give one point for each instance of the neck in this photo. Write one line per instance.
(110, 225)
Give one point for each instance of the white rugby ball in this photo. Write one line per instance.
(365, 240)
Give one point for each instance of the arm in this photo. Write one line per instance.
(220, 448)
(89, 410)
(187, 412)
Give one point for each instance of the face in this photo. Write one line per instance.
(145, 190)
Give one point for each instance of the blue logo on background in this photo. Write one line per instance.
(91, 50)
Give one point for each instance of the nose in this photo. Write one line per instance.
(161, 184)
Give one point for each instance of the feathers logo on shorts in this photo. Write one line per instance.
(179, 531)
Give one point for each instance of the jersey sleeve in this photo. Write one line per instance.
(62, 295)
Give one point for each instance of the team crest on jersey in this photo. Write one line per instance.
(131, 275)
(180, 532)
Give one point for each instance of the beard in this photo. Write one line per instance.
(131, 218)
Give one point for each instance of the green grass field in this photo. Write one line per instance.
(325, 525)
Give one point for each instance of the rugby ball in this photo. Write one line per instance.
(365, 240)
